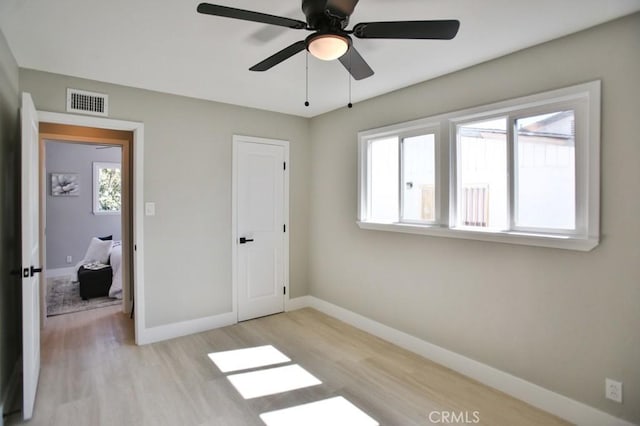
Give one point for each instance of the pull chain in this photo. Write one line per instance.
(306, 102)
(349, 105)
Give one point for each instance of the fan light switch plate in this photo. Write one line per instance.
(150, 209)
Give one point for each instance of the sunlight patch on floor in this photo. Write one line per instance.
(265, 379)
(274, 380)
(332, 411)
(244, 359)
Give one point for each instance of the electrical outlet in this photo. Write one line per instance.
(613, 390)
(69, 259)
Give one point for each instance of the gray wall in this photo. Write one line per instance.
(187, 173)
(10, 299)
(70, 221)
(562, 319)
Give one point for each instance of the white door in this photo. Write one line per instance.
(260, 227)
(30, 256)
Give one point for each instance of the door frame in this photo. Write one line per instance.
(137, 198)
(237, 140)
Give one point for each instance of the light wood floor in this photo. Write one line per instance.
(93, 374)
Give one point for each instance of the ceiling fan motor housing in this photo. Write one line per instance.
(321, 16)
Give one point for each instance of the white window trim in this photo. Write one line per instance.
(96, 170)
(587, 234)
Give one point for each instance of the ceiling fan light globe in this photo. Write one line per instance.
(328, 47)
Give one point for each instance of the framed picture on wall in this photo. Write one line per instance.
(65, 185)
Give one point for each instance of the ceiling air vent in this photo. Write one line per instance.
(84, 102)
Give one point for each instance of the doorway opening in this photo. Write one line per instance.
(83, 226)
(86, 218)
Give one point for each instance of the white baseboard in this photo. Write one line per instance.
(297, 303)
(549, 401)
(184, 328)
(8, 397)
(59, 272)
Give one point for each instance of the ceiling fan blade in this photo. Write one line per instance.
(344, 6)
(266, 33)
(435, 30)
(281, 56)
(355, 64)
(247, 15)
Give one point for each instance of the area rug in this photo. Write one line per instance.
(63, 297)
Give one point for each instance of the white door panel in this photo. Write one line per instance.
(260, 221)
(30, 255)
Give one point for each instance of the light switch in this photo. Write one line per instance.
(150, 209)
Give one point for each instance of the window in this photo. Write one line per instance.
(545, 160)
(384, 190)
(107, 188)
(482, 174)
(524, 171)
(401, 176)
(418, 178)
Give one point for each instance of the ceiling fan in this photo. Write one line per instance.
(330, 40)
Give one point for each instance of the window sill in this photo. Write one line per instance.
(106, 213)
(538, 240)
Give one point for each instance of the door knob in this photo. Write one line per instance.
(35, 270)
(29, 272)
(244, 240)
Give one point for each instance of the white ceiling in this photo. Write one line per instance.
(166, 46)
